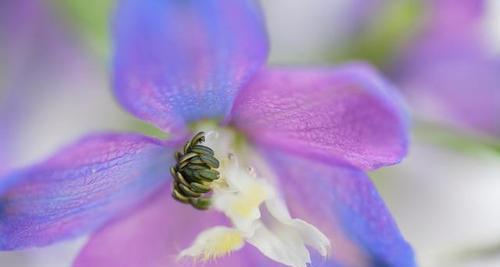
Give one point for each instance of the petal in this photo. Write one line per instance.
(462, 92)
(284, 239)
(448, 72)
(344, 205)
(35, 48)
(285, 246)
(310, 235)
(154, 234)
(79, 188)
(348, 114)
(241, 198)
(180, 61)
(453, 16)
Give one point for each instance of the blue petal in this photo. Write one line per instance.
(179, 61)
(80, 188)
(343, 203)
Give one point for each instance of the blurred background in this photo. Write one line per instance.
(443, 56)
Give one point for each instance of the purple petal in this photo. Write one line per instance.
(343, 204)
(347, 114)
(180, 61)
(154, 234)
(79, 188)
(448, 73)
(450, 15)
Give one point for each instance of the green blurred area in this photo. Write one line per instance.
(92, 19)
(392, 27)
(459, 141)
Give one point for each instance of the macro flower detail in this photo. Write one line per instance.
(264, 166)
(257, 213)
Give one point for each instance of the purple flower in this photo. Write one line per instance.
(282, 155)
(448, 71)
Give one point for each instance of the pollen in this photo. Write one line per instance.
(214, 243)
(226, 243)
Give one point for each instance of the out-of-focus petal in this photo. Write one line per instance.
(29, 38)
(450, 15)
(180, 61)
(154, 234)
(448, 72)
(446, 85)
(79, 188)
(91, 20)
(345, 206)
(47, 80)
(345, 115)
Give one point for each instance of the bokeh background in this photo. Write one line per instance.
(443, 56)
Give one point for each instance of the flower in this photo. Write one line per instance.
(277, 155)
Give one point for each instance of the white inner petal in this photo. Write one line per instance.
(258, 214)
(309, 234)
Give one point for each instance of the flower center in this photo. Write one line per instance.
(195, 170)
(210, 172)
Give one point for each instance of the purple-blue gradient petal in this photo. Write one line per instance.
(347, 114)
(80, 188)
(180, 61)
(154, 233)
(344, 204)
(449, 71)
